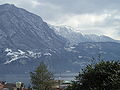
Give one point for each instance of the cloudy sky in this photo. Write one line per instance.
(87, 16)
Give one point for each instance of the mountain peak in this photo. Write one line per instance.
(7, 5)
(7, 8)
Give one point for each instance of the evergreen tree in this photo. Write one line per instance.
(41, 78)
(100, 76)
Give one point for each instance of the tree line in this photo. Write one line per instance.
(104, 75)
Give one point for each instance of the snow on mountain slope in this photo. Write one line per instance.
(25, 37)
(75, 37)
(101, 38)
(19, 54)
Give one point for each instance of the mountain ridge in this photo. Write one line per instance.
(77, 37)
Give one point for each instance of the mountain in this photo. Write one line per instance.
(24, 30)
(76, 38)
(26, 40)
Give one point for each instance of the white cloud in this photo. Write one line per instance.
(81, 20)
(106, 23)
(36, 3)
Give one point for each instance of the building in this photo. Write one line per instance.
(10, 86)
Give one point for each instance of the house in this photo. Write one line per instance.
(10, 86)
(61, 84)
(1, 86)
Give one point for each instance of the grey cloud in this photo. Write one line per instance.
(85, 6)
(69, 6)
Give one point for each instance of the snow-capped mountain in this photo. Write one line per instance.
(26, 40)
(77, 37)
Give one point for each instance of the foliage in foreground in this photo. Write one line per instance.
(100, 76)
(41, 78)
